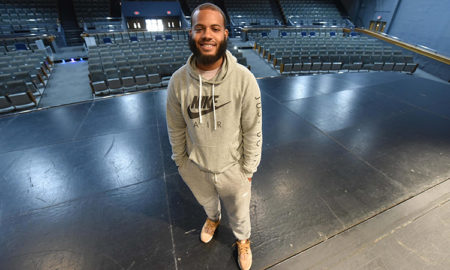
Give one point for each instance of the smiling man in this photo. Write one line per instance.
(215, 127)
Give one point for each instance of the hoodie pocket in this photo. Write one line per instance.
(211, 158)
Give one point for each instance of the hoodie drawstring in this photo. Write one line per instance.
(214, 107)
(200, 98)
(200, 102)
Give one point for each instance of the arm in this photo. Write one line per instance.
(251, 121)
(176, 126)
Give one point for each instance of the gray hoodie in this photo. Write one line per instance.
(215, 123)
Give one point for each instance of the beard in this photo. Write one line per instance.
(207, 60)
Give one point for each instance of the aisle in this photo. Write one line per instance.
(69, 83)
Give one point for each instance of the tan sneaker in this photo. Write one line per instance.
(208, 230)
(244, 254)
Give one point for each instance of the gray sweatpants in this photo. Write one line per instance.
(233, 188)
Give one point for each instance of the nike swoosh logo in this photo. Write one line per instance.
(194, 115)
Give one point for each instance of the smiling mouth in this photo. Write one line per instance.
(207, 46)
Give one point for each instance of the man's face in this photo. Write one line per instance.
(208, 37)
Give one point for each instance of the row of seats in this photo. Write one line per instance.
(127, 37)
(317, 20)
(125, 79)
(333, 53)
(99, 25)
(18, 43)
(15, 28)
(256, 33)
(305, 12)
(248, 12)
(28, 2)
(327, 63)
(147, 45)
(298, 41)
(22, 76)
(28, 16)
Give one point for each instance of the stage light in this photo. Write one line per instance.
(63, 61)
(72, 60)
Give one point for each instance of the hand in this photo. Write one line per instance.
(250, 179)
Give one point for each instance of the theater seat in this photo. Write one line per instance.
(98, 83)
(17, 93)
(127, 79)
(5, 105)
(141, 77)
(297, 67)
(410, 67)
(154, 80)
(114, 82)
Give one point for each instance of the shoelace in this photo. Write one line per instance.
(243, 248)
(210, 226)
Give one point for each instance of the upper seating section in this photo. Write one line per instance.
(28, 16)
(91, 9)
(251, 12)
(94, 16)
(194, 3)
(309, 12)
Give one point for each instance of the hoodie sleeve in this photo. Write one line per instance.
(251, 121)
(176, 126)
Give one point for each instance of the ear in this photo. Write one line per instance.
(190, 32)
(226, 33)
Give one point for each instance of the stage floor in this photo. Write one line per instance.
(92, 185)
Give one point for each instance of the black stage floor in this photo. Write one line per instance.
(92, 186)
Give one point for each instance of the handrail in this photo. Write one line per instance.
(433, 55)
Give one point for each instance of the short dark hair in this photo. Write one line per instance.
(210, 6)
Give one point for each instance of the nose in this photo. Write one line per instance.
(207, 33)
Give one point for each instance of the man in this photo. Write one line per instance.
(214, 124)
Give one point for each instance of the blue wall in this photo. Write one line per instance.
(413, 21)
(151, 9)
(362, 12)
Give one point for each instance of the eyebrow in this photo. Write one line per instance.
(202, 25)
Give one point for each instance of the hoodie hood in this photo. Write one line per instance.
(224, 72)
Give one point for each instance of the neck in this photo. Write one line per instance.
(214, 65)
